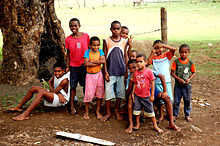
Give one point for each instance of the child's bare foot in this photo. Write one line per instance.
(72, 111)
(15, 109)
(160, 119)
(129, 129)
(188, 119)
(118, 116)
(158, 130)
(86, 116)
(174, 127)
(21, 117)
(174, 118)
(105, 118)
(137, 126)
(99, 116)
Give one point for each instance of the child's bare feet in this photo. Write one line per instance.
(72, 111)
(137, 126)
(174, 127)
(15, 109)
(118, 116)
(129, 129)
(99, 116)
(158, 129)
(105, 118)
(21, 117)
(86, 116)
(188, 119)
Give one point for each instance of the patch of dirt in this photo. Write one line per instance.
(41, 127)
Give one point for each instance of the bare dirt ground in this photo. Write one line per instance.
(44, 122)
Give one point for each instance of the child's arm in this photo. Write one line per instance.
(68, 60)
(162, 78)
(129, 45)
(171, 48)
(152, 90)
(128, 91)
(51, 84)
(181, 81)
(88, 63)
(188, 80)
(149, 59)
(132, 94)
(61, 86)
(105, 65)
(98, 62)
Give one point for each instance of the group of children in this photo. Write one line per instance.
(104, 73)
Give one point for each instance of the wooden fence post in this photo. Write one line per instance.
(164, 24)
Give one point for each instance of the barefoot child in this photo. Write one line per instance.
(161, 64)
(115, 49)
(57, 96)
(93, 59)
(76, 44)
(183, 70)
(141, 96)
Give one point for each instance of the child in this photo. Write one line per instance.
(133, 54)
(183, 70)
(57, 96)
(76, 44)
(115, 51)
(124, 34)
(141, 96)
(161, 64)
(93, 59)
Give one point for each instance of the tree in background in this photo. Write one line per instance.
(33, 40)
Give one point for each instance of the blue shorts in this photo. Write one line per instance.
(118, 82)
(141, 102)
(77, 74)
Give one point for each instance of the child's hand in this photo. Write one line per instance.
(158, 46)
(187, 81)
(152, 98)
(181, 81)
(130, 40)
(164, 94)
(107, 77)
(153, 51)
(132, 96)
(67, 69)
(62, 99)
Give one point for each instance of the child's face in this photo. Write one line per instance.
(95, 46)
(58, 72)
(74, 26)
(184, 52)
(133, 55)
(124, 33)
(116, 29)
(140, 63)
(159, 49)
(132, 67)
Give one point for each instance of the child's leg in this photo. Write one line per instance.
(177, 99)
(130, 108)
(155, 125)
(108, 112)
(137, 110)
(72, 96)
(99, 116)
(43, 94)
(120, 93)
(28, 96)
(86, 116)
(187, 92)
(161, 115)
(137, 126)
(117, 105)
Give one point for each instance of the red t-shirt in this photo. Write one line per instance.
(143, 82)
(77, 47)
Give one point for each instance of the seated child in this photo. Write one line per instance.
(141, 96)
(183, 70)
(161, 64)
(58, 95)
(93, 59)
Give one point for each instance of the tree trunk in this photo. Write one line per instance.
(33, 40)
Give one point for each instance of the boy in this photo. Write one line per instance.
(93, 59)
(76, 44)
(124, 34)
(141, 96)
(183, 70)
(115, 51)
(161, 64)
(133, 54)
(57, 96)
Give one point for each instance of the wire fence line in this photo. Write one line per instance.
(46, 64)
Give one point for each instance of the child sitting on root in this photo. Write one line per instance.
(58, 95)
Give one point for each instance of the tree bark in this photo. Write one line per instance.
(33, 40)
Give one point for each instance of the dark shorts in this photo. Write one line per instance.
(143, 102)
(77, 74)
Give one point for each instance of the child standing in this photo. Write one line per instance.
(183, 70)
(115, 49)
(76, 44)
(93, 59)
(57, 96)
(141, 96)
(161, 64)
(124, 34)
